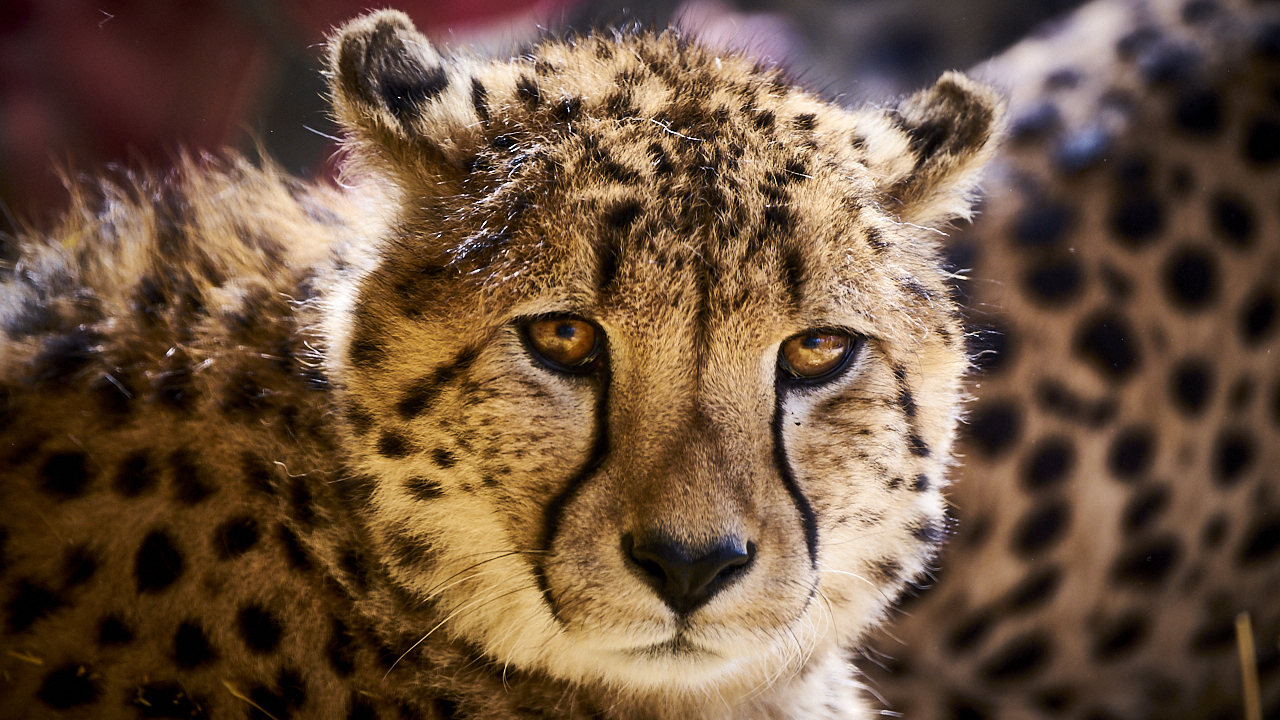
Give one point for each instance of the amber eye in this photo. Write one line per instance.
(816, 354)
(564, 343)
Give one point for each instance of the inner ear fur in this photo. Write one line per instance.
(404, 109)
(929, 151)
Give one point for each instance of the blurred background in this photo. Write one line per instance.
(90, 84)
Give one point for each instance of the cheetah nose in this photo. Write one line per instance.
(686, 578)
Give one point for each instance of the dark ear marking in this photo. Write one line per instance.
(381, 67)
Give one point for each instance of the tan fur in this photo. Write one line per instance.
(280, 449)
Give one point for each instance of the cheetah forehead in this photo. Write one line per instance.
(475, 143)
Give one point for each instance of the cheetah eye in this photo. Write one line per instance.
(564, 344)
(817, 355)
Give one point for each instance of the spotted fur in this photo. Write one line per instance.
(1118, 502)
(280, 450)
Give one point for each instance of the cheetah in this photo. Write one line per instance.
(1117, 497)
(616, 380)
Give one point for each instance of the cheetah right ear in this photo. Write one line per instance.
(928, 152)
(407, 112)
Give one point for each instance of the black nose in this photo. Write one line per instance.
(685, 578)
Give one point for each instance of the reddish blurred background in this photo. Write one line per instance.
(89, 83)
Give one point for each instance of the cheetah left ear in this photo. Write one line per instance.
(407, 112)
(929, 151)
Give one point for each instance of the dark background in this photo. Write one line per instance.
(90, 85)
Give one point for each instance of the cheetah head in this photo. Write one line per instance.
(653, 380)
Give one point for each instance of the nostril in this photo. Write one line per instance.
(686, 578)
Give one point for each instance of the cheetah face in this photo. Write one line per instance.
(654, 380)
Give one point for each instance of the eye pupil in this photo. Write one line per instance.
(566, 331)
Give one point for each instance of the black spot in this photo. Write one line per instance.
(1232, 219)
(301, 502)
(158, 563)
(1108, 342)
(1036, 589)
(1041, 528)
(1120, 637)
(527, 91)
(1036, 123)
(68, 686)
(78, 566)
(479, 98)
(930, 532)
(1051, 461)
(1083, 149)
(805, 122)
(1198, 112)
(423, 488)
(443, 458)
(1137, 218)
(968, 634)
(1262, 142)
(360, 710)
(1043, 224)
(113, 631)
(64, 356)
(989, 348)
(1131, 453)
(1019, 659)
(1055, 283)
(920, 484)
(135, 476)
(257, 474)
(1198, 11)
(366, 352)
(30, 603)
(411, 552)
(1191, 278)
(259, 629)
(1258, 317)
(1191, 386)
(341, 649)
(423, 393)
(1148, 563)
(1145, 505)
(172, 386)
(294, 553)
(114, 393)
(1261, 541)
(1233, 455)
(1055, 700)
(64, 475)
(403, 94)
(393, 445)
(916, 445)
(961, 708)
(994, 427)
(190, 478)
(279, 704)
(1214, 636)
(622, 214)
(352, 562)
(166, 700)
(235, 537)
(191, 646)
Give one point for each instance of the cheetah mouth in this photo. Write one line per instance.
(679, 647)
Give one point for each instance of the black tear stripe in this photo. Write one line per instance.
(807, 517)
(423, 392)
(555, 509)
